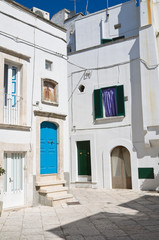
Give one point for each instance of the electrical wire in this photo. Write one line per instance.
(31, 25)
(76, 65)
(19, 40)
(100, 128)
(76, 87)
(149, 67)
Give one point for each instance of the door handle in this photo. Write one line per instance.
(10, 180)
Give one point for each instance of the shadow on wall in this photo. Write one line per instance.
(137, 219)
(138, 132)
(150, 183)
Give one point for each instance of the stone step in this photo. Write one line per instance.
(47, 178)
(83, 185)
(58, 197)
(50, 183)
(52, 189)
(52, 194)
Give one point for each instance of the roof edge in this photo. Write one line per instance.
(18, 5)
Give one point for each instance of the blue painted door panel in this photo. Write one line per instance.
(48, 148)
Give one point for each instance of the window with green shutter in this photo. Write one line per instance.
(120, 100)
(109, 102)
(98, 104)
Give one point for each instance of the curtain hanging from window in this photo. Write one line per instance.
(109, 99)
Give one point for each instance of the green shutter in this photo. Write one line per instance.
(98, 104)
(103, 40)
(146, 173)
(120, 100)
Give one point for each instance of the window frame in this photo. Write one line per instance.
(50, 81)
(12, 99)
(98, 102)
(11, 66)
(49, 62)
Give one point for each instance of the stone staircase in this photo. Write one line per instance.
(52, 191)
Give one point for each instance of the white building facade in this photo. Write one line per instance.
(113, 98)
(34, 147)
(66, 19)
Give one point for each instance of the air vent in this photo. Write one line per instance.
(41, 13)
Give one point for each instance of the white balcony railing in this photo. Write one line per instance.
(11, 109)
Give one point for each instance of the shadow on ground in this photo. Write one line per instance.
(138, 220)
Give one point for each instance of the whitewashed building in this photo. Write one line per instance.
(113, 97)
(34, 146)
(66, 19)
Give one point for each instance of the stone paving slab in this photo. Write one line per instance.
(101, 215)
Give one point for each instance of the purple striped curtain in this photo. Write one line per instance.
(109, 99)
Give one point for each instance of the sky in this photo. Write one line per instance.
(53, 6)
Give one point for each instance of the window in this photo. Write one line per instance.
(48, 65)
(11, 93)
(109, 102)
(49, 92)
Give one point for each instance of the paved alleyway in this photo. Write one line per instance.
(101, 214)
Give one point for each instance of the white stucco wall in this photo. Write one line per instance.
(133, 63)
(156, 16)
(89, 30)
(69, 24)
(23, 33)
(101, 132)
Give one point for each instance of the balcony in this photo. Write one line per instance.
(11, 110)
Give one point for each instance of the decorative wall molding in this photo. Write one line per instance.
(50, 114)
(15, 127)
(15, 54)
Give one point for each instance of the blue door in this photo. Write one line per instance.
(48, 148)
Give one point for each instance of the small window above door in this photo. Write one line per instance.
(48, 65)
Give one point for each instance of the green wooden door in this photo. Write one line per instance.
(84, 158)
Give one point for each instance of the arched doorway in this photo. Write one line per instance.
(48, 148)
(121, 168)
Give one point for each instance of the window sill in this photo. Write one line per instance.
(109, 119)
(50, 103)
(14, 127)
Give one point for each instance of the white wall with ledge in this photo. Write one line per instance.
(131, 62)
(28, 41)
(91, 28)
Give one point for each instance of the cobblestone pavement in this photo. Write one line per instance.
(101, 214)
